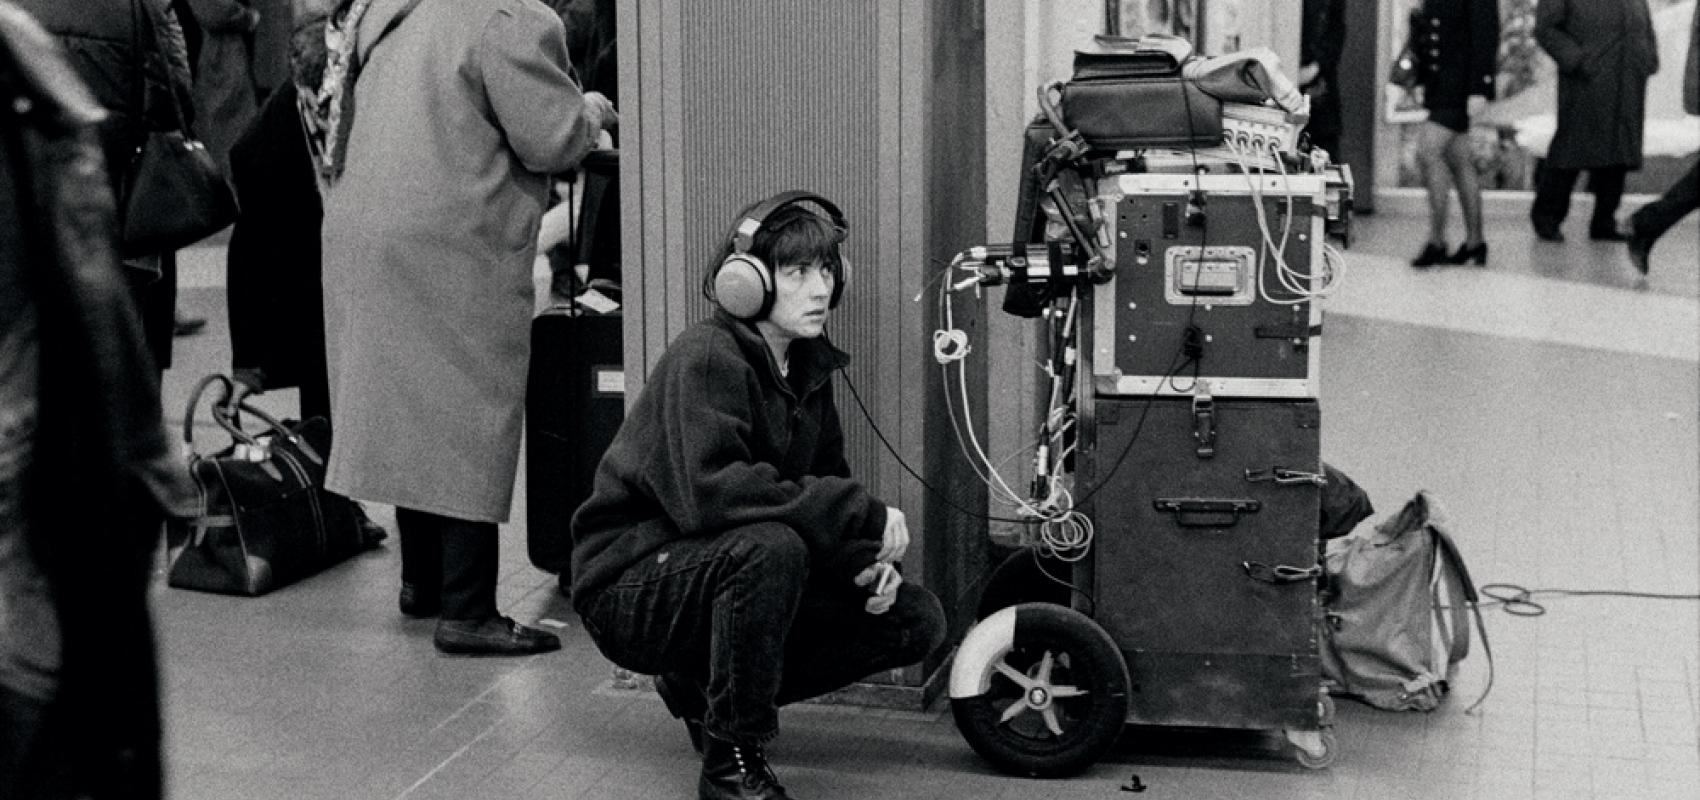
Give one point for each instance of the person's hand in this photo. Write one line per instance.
(1476, 105)
(606, 117)
(881, 579)
(895, 541)
(243, 382)
(1308, 73)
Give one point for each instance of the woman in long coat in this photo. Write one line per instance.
(461, 112)
(1605, 52)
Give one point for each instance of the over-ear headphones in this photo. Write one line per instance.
(743, 284)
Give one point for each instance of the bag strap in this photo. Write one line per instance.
(355, 62)
(225, 416)
(152, 19)
(1447, 552)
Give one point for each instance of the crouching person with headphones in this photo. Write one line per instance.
(725, 548)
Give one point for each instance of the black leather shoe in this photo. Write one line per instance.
(1432, 255)
(1470, 255)
(371, 533)
(684, 700)
(496, 636)
(1607, 235)
(1548, 233)
(737, 772)
(1640, 247)
(418, 602)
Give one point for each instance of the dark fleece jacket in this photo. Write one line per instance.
(718, 440)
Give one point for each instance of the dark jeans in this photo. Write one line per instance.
(1653, 219)
(455, 556)
(740, 615)
(1553, 186)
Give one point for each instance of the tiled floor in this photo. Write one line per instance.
(1551, 407)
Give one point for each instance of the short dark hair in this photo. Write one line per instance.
(792, 235)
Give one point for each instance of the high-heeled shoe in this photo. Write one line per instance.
(1471, 255)
(1432, 255)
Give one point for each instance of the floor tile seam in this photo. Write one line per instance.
(451, 759)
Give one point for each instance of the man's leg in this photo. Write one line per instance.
(1552, 200)
(466, 578)
(1606, 184)
(835, 641)
(1650, 221)
(421, 562)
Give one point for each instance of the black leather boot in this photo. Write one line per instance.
(736, 772)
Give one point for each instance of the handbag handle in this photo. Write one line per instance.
(226, 418)
(224, 414)
(153, 20)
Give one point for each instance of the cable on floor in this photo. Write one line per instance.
(1519, 601)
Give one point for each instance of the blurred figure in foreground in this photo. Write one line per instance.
(85, 470)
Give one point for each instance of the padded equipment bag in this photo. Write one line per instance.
(265, 519)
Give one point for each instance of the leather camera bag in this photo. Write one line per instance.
(265, 519)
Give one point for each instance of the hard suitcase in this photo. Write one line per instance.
(575, 400)
(1206, 565)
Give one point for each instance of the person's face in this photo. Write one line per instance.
(801, 293)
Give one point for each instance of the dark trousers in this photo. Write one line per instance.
(1553, 186)
(740, 615)
(456, 556)
(1653, 219)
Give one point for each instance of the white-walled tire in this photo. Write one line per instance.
(1039, 689)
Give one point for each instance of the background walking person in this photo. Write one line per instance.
(1605, 52)
(1457, 47)
(1651, 221)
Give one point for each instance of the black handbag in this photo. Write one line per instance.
(175, 194)
(1405, 71)
(265, 519)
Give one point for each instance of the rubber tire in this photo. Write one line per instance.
(1095, 664)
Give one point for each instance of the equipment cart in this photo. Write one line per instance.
(1172, 573)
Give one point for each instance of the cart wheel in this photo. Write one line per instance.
(1314, 749)
(1040, 690)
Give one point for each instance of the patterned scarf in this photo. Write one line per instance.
(327, 110)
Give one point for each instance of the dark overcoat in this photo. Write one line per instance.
(225, 91)
(1457, 49)
(1605, 52)
(277, 314)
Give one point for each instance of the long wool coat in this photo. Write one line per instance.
(1605, 52)
(461, 113)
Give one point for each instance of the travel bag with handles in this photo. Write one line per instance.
(265, 519)
(1398, 612)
